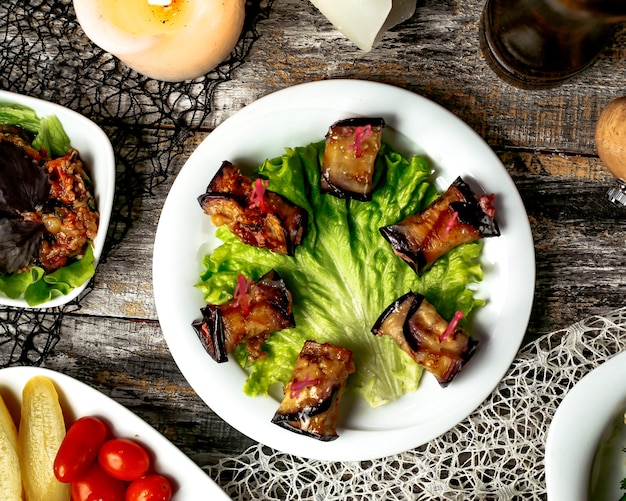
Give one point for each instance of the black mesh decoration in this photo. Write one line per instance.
(45, 54)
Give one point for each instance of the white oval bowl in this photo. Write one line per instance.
(78, 399)
(97, 153)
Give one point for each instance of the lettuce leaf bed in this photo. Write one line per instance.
(48, 131)
(37, 287)
(34, 285)
(344, 274)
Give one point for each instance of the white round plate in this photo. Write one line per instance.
(414, 125)
(97, 153)
(588, 434)
(78, 399)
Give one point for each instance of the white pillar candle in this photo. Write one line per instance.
(170, 40)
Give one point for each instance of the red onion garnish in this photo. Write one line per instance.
(240, 293)
(298, 386)
(455, 216)
(361, 134)
(451, 326)
(257, 197)
(486, 203)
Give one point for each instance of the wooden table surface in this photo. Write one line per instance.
(545, 140)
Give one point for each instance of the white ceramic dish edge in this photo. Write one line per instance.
(177, 301)
(579, 425)
(78, 399)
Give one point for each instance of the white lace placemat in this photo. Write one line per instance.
(496, 453)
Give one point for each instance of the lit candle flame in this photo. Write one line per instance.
(161, 3)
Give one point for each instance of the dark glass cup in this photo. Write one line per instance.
(543, 43)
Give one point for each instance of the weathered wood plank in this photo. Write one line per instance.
(129, 362)
(545, 140)
(436, 54)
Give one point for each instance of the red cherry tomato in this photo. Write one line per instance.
(96, 485)
(79, 448)
(124, 459)
(153, 487)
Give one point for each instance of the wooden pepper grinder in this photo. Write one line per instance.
(610, 139)
(537, 44)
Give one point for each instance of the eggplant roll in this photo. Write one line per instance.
(458, 216)
(265, 309)
(441, 347)
(350, 157)
(313, 395)
(274, 223)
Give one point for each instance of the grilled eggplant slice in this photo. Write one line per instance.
(273, 222)
(350, 157)
(263, 308)
(442, 348)
(313, 395)
(458, 216)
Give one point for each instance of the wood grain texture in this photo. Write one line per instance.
(544, 139)
(129, 362)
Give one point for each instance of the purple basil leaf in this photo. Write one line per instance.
(19, 243)
(5, 210)
(24, 185)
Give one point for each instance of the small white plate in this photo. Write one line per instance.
(97, 153)
(77, 399)
(587, 435)
(414, 125)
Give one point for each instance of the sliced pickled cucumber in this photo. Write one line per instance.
(41, 431)
(10, 477)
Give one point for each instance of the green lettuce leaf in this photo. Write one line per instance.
(38, 288)
(34, 285)
(52, 137)
(344, 274)
(17, 114)
(48, 131)
(15, 284)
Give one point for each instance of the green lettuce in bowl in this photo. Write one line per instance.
(344, 273)
(52, 130)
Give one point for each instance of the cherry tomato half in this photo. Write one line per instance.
(124, 459)
(96, 485)
(153, 487)
(79, 448)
